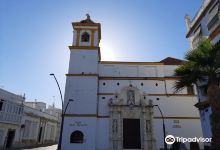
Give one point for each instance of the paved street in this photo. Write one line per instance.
(53, 147)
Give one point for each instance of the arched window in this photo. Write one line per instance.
(85, 37)
(76, 137)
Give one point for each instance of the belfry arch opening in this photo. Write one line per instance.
(85, 37)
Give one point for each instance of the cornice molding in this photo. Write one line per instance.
(131, 63)
(96, 75)
(138, 78)
(84, 48)
(145, 94)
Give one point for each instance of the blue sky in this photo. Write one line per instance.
(35, 35)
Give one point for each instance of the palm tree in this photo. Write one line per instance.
(203, 65)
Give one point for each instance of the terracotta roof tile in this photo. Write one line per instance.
(172, 61)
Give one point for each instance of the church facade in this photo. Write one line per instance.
(115, 104)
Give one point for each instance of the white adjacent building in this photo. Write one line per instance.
(38, 126)
(27, 123)
(11, 112)
(52, 110)
(112, 107)
(205, 24)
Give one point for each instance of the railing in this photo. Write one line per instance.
(10, 118)
(213, 22)
(203, 6)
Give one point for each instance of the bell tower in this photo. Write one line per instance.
(80, 118)
(86, 33)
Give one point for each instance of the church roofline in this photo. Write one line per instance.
(172, 61)
(85, 24)
(166, 61)
(131, 63)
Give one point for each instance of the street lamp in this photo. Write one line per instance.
(61, 97)
(164, 130)
(70, 100)
(61, 128)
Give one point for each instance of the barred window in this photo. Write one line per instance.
(77, 137)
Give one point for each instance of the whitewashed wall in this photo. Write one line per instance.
(124, 70)
(169, 70)
(102, 134)
(149, 86)
(83, 59)
(185, 128)
(83, 90)
(87, 127)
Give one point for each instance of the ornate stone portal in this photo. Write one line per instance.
(131, 121)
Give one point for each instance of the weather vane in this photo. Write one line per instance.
(88, 16)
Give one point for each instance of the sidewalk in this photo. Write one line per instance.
(40, 147)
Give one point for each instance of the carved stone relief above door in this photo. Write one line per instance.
(130, 106)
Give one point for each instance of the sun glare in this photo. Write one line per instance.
(106, 52)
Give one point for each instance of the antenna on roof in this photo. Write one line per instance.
(24, 96)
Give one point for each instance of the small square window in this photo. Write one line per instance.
(103, 83)
(142, 84)
(118, 83)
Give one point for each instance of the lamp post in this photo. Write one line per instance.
(61, 97)
(164, 129)
(61, 128)
(70, 100)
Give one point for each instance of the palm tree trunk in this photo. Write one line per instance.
(214, 98)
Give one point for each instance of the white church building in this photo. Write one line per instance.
(113, 107)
